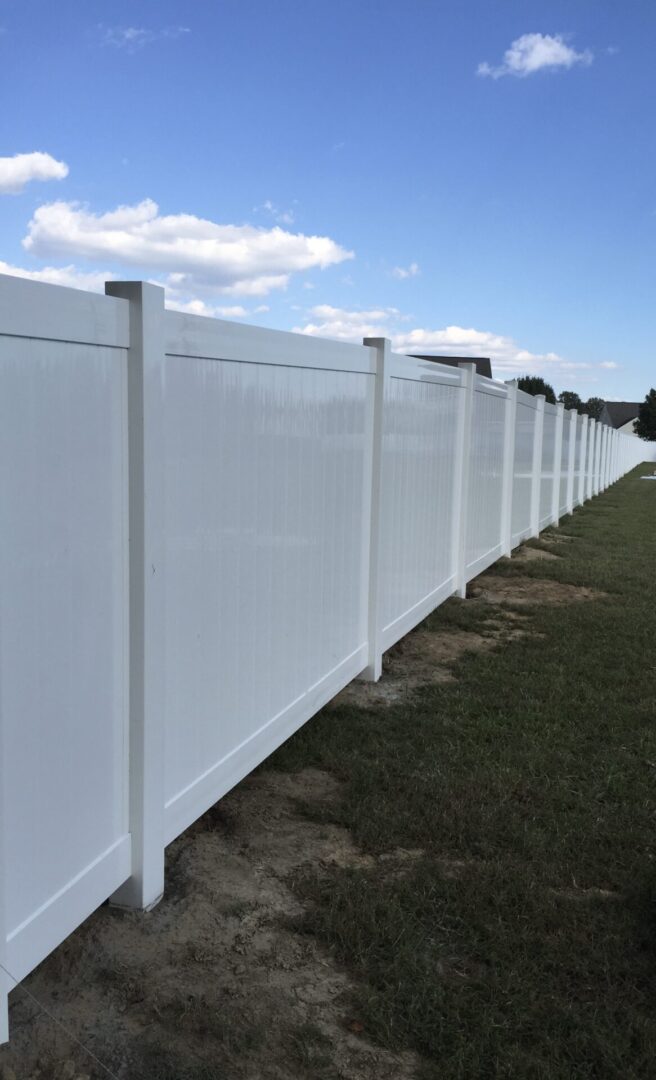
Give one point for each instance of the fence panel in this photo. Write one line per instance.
(547, 471)
(523, 467)
(484, 492)
(564, 465)
(63, 614)
(417, 536)
(266, 526)
(576, 462)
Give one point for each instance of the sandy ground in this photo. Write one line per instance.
(218, 982)
(216, 974)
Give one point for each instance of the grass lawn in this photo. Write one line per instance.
(510, 928)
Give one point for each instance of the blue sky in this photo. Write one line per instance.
(475, 177)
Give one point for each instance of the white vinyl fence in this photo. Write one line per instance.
(208, 530)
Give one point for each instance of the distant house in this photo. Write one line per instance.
(620, 415)
(483, 365)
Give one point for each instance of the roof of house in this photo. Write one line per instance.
(618, 413)
(483, 365)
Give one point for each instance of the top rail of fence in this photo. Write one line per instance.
(217, 339)
(56, 313)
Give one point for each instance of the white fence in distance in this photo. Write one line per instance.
(208, 530)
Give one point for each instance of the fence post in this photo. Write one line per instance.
(461, 478)
(146, 509)
(557, 466)
(602, 457)
(536, 465)
(510, 420)
(571, 459)
(374, 667)
(583, 459)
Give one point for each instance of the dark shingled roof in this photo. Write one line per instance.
(483, 365)
(618, 413)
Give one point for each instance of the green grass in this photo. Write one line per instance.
(522, 942)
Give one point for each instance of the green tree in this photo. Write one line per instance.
(571, 400)
(533, 384)
(593, 407)
(645, 425)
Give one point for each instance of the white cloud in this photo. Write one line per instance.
(509, 359)
(92, 281)
(332, 322)
(467, 341)
(536, 52)
(402, 272)
(610, 365)
(199, 307)
(17, 171)
(194, 253)
(283, 217)
(132, 38)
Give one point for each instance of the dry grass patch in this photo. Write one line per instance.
(520, 591)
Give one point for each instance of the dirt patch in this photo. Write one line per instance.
(557, 538)
(423, 656)
(215, 982)
(534, 554)
(524, 591)
(427, 657)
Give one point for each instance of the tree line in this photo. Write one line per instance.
(645, 426)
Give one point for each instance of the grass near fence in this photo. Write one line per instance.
(510, 928)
